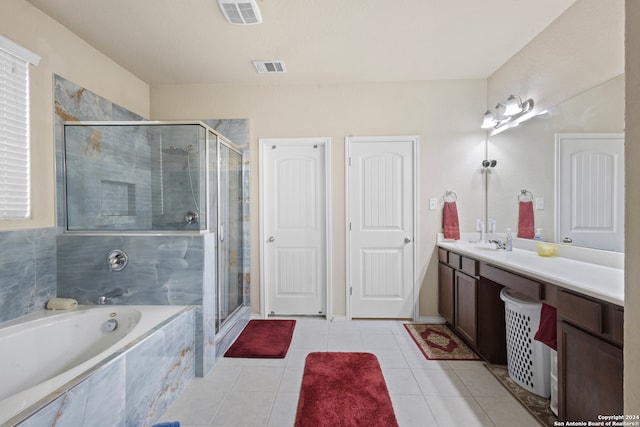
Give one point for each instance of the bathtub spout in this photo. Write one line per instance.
(103, 299)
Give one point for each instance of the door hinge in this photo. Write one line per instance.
(350, 290)
(349, 225)
(349, 161)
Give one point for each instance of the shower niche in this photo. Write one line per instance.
(170, 194)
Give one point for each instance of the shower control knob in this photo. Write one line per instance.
(271, 239)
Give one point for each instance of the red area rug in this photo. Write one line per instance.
(268, 339)
(344, 389)
(438, 342)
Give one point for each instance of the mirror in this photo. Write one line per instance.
(526, 158)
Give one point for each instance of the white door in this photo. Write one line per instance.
(590, 189)
(381, 215)
(294, 226)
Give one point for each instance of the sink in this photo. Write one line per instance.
(485, 248)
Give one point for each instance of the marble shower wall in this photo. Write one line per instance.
(28, 271)
(162, 270)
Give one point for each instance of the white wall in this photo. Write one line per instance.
(62, 53)
(445, 115)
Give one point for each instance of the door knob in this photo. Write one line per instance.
(407, 239)
(271, 239)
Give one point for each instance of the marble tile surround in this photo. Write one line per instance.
(38, 264)
(134, 389)
(28, 271)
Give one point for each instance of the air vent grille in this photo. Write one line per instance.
(240, 12)
(270, 67)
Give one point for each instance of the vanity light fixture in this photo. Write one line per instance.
(510, 113)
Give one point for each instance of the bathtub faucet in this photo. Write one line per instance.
(103, 299)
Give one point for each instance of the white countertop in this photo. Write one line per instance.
(598, 281)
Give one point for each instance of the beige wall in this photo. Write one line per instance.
(445, 115)
(61, 53)
(632, 199)
(582, 48)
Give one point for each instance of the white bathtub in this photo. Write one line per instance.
(47, 352)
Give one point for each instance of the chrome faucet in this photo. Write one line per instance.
(499, 244)
(106, 297)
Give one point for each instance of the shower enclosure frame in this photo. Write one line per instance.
(216, 227)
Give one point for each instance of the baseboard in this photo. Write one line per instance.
(431, 319)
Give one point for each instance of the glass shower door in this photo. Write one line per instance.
(230, 291)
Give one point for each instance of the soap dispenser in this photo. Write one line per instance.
(538, 235)
(509, 245)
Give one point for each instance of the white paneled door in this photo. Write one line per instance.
(294, 226)
(590, 189)
(381, 226)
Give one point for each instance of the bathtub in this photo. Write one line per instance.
(47, 352)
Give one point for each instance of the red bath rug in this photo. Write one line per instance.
(268, 339)
(438, 342)
(344, 389)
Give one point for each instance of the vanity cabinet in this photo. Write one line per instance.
(466, 307)
(590, 362)
(472, 308)
(446, 289)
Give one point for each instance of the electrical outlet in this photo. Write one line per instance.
(540, 203)
(433, 204)
(492, 225)
(478, 224)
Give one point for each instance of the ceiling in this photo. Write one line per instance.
(320, 41)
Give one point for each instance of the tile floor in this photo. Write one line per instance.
(264, 392)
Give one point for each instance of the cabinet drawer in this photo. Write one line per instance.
(454, 260)
(522, 285)
(442, 255)
(580, 311)
(470, 266)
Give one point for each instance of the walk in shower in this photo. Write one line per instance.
(162, 179)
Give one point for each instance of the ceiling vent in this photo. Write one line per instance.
(270, 67)
(240, 12)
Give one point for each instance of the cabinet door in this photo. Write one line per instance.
(465, 309)
(589, 375)
(446, 292)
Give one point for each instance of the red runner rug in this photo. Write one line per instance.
(438, 342)
(268, 339)
(344, 389)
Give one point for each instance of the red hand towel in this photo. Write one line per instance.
(525, 220)
(450, 221)
(547, 333)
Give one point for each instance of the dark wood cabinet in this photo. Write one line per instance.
(446, 286)
(590, 358)
(590, 331)
(466, 322)
(474, 310)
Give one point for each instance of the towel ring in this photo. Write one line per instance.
(525, 196)
(452, 196)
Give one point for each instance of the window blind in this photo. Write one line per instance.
(15, 185)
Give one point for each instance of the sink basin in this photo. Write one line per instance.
(485, 248)
(478, 245)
